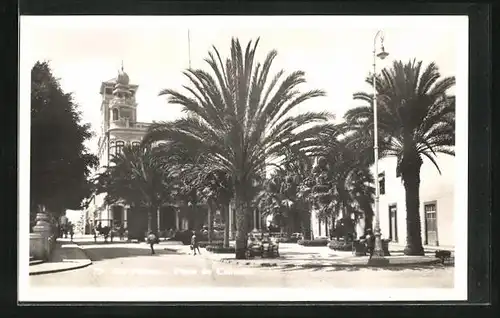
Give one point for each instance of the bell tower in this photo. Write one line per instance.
(118, 110)
(122, 107)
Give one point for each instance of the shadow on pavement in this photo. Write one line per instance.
(298, 253)
(357, 268)
(87, 243)
(65, 252)
(100, 253)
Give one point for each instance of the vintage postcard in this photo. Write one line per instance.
(233, 158)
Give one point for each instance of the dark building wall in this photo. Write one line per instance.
(167, 218)
(117, 214)
(196, 216)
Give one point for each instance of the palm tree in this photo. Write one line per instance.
(215, 189)
(282, 195)
(139, 177)
(240, 120)
(416, 119)
(339, 184)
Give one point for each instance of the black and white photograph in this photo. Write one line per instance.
(243, 158)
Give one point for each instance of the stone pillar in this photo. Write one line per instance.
(230, 220)
(109, 218)
(125, 213)
(158, 213)
(177, 225)
(260, 220)
(43, 230)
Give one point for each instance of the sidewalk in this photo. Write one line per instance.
(293, 255)
(66, 256)
(427, 248)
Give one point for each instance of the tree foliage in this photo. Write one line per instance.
(239, 117)
(416, 120)
(140, 177)
(60, 162)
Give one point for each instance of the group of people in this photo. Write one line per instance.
(108, 231)
(152, 239)
(65, 229)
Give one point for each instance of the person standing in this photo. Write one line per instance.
(370, 242)
(194, 244)
(71, 231)
(152, 241)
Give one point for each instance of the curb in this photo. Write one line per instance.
(82, 264)
(57, 270)
(36, 262)
(313, 265)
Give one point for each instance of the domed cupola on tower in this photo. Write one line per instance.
(122, 78)
(122, 106)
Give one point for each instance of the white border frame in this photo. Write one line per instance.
(459, 292)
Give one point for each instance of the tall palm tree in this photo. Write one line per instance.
(416, 119)
(139, 177)
(240, 120)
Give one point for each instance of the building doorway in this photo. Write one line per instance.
(393, 223)
(431, 231)
(117, 215)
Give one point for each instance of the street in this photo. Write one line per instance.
(119, 265)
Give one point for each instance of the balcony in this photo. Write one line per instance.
(123, 102)
(141, 125)
(120, 123)
(126, 123)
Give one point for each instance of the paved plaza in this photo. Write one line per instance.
(121, 264)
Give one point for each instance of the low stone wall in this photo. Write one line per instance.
(41, 247)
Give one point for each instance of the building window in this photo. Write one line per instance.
(431, 229)
(109, 91)
(125, 113)
(136, 144)
(381, 182)
(115, 114)
(119, 147)
(393, 222)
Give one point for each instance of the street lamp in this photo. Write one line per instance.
(378, 253)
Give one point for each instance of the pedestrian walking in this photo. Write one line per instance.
(370, 242)
(121, 231)
(71, 231)
(152, 241)
(194, 244)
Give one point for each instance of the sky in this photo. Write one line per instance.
(334, 51)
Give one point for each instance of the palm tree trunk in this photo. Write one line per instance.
(150, 218)
(307, 222)
(241, 227)
(326, 226)
(225, 212)
(411, 178)
(209, 221)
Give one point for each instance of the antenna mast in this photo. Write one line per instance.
(189, 48)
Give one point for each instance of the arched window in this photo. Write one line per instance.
(119, 147)
(136, 144)
(115, 114)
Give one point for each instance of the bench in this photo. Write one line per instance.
(443, 255)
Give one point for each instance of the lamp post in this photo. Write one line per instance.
(378, 253)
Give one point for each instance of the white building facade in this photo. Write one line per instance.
(119, 127)
(436, 202)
